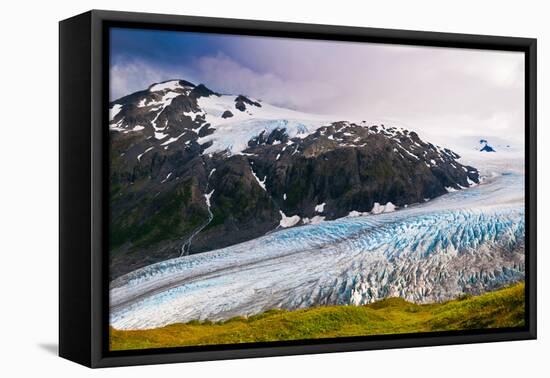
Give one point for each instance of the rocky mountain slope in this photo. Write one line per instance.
(193, 170)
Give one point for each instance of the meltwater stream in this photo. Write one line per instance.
(467, 241)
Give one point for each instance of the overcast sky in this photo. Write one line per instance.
(436, 91)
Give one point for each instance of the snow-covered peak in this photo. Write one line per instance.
(166, 85)
(226, 122)
(179, 110)
(485, 147)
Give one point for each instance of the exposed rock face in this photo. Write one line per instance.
(227, 114)
(167, 190)
(350, 167)
(241, 102)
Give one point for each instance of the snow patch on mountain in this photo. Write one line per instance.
(260, 182)
(167, 177)
(288, 221)
(379, 209)
(173, 139)
(113, 112)
(167, 85)
(315, 220)
(232, 134)
(355, 213)
(143, 153)
(207, 197)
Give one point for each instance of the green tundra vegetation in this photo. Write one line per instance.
(165, 223)
(501, 308)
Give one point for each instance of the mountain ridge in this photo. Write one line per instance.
(186, 179)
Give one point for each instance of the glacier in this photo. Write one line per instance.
(464, 242)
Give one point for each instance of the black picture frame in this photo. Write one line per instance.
(83, 181)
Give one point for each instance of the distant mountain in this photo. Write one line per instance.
(485, 147)
(193, 170)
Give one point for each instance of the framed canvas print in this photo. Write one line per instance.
(234, 188)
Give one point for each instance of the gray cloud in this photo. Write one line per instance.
(438, 91)
(134, 75)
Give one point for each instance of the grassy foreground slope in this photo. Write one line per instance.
(501, 308)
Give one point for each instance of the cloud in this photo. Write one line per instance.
(446, 91)
(226, 75)
(129, 76)
(436, 90)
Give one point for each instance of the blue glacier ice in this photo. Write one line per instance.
(468, 241)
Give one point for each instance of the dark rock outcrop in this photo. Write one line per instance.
(241, 102)
(202, 91)
(227, 114)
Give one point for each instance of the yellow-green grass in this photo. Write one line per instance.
(497, 309)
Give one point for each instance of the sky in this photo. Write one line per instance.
(441, 92)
